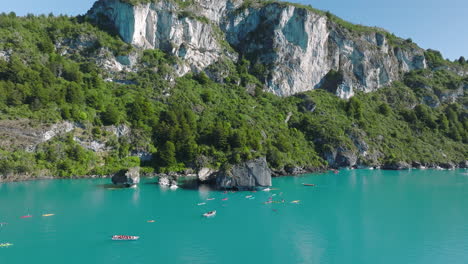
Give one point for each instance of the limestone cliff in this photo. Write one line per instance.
(163, 25)
(299, 46)
(246, 175)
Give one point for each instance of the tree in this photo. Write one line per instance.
(409, 116)
(202, 78)
(74, 94)
(188, 150)
(443, 123)
(384, 109)
(454, 133)
(424, 114)
(219, 136)
(354, 108)
(238, 139)
(111, 116)
(260, 71)
(462, 60)
(167, 156)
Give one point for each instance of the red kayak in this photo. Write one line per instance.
(26, 216)
(120, 237)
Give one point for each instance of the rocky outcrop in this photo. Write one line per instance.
(448, 165)
(206, 174)
(303, 46)
(298, 46)
(127, 178)
(5, 55)
(341, 157)
(27, 134)
(246, 175)
(463, 164)
(164, 181)
(163, 25)
(396, 165)
(119, 131)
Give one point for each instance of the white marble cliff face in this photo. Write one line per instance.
(301, 47)
(298, 46)
(161, 26)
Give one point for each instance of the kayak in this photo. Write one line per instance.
(151, 221)
(6, 244)
(26, 216)
(209, 214)
(225, 199)
(121, 237)
(48, 215)
(201, 204)
(308, 184)
(210, 199)
(296, 201)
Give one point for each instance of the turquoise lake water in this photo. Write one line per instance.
(357, 216)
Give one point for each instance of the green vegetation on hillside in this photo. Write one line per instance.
(195, 121)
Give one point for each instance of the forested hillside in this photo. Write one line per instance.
(51, 71)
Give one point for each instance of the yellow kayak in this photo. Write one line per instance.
(296, 201)
(5, 245)
(48, 214)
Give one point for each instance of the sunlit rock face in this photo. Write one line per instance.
(297, 46)
(163, 26)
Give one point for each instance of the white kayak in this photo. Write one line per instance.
(210, 214)
(120, 237)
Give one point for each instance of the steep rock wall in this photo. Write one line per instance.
(163, 26)
(246, 175)
(298, 46)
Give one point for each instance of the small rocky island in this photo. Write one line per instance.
(127, 178)
(243, 176)
(246, 175)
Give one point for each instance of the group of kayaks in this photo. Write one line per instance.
(2, 245)
(133, 238)
(29, 216)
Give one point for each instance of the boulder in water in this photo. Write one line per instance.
(164, 181)
(396, 165)
(127, 178)
(246, 175)
(167, 181)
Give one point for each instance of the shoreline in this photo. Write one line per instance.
(24, 178)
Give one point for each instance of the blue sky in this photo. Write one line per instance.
(436, 24)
